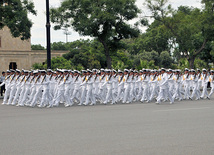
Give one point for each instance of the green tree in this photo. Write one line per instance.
(57, 62)
(166, 59)
(59, 46)
(37, 47)
(190, 28)
(154, 39)
(105, 20)
(88, 53)
(13, 14)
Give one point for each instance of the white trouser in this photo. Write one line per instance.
(90, 97)
(6, 95)
(18, 91)
(31, 96)
(74, 95)
(12, 95)
(204, 91)
(37, 97)
(186, 91)
(57, 98)
(163, 93)
(25, 96)
(211, 92)
(145, 95)
(126, 95)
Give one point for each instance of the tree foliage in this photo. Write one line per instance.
(37, 47)
(13, 14)
(191, 28)
(105, 20)
(176, 38)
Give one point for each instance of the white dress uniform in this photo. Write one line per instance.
(60, 91)
(140, 89)
(211, 80)
(177, 81)
(83, 90)
(114, 86)
(45, 91)
(89, 90)
(199, 84)
(153, 85)
(145, 86)
(102, 90)
(76, 91)
(132, 88)
(7, 87)
(126, 81)
(67, 81)
(24, 87)
(171, 83)
(38, 94)
(52, 87)
(120, 87)
(32, 90)
(96, 86)
(19, 86)
(164, 88)
(186, 83)
(204, 80)
(13, 89)
(27, 90)
(194, 83)
(109, 95)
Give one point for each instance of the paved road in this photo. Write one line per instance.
(184, 128)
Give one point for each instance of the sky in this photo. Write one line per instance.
(38, 31)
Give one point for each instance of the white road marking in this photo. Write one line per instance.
(182, 109)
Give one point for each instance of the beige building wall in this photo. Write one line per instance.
(9, 43)
(14, 50)
(25, 59)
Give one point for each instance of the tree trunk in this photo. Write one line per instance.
(191, 62)
(108, 58)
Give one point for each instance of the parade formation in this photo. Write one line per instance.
(89, 87)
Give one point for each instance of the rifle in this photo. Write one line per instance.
(43, 79)
(115, 75)
(67, 78)
(76, 78)
(89, 77)
(178, 77)
(110, 77)
(32, 79)
(7, 77)
(195, 75)
(57, 77)
(27, 78)
(103, 76)
(18, 77)
(12, 79)
(121, 78)
(84, 79)
(38, 78)
(187, 76)
(128, 77)
(51, 77)
(170, 76)
(95, 77)
(61, 79)
(205, 77)
(155, 77)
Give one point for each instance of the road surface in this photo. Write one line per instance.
(184, 128)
